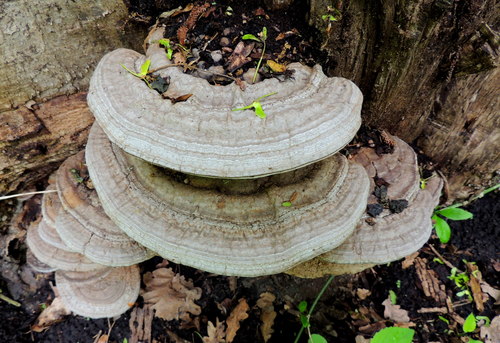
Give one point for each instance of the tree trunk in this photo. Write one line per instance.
(428, 71)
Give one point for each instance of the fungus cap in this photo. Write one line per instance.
(392, 235)
(309, 118)
(245, 235)
(83, 225)
(99, 294)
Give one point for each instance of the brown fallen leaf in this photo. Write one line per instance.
(238, 314)
(363, 293)
(239, 57)
(395, 312)
(492, 292)
(102, 339)
(181, 98)
(491, 334)
(190, 23)
(171, 295)
(216, 333)
(267, 316)
(50, 315)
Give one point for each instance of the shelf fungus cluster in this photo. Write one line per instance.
(226, 191)
(94, 261)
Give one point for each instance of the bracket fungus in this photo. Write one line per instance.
(203, 136)
(230, 234)
(83, 225)
(389, 236)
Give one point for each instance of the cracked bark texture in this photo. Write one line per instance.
(49, 50)
(428, 72)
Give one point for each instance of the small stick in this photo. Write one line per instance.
(166, 66)
(451, 266)
(5, 197)
(9, 300)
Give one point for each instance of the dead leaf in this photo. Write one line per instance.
(492, 292)
(276, 67)
(239, 57)
(405, 325)
(363, 293)
(395, 312)
(51, 315)
(409, 260)
(181, 98)
(361, 339)
(215, 333)
(103, 339)
(171, 295)
(267, 316)
(287, 34)
(190, 23)
(238, 314)
(491, 334)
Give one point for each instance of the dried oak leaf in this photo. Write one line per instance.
(50, 315)
(238, 314)
(239, 57)
(171, 295)
(395, 312)
(267, 316)
(215, 333)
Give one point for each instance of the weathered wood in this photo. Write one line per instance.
(33, 141)
(50, 47)
(428, 71)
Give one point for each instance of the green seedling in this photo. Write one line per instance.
(454, 212)
(166, 43)
(470, 323)
(398, 284)
(487, 320)
(143, 73)
(461, 282)
(261, 39)
(256, 106)
(76, 175)
(442, 228)
(393, 297)
(305, 316)
(394, 335)
(286, 204)
(444, 319)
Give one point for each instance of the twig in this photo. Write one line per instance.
(5, 197)
(448, 264)
(166, 66)
(9, 300)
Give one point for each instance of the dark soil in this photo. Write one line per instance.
(341, 315)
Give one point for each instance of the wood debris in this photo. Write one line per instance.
(267, 316)
(409, 260)
(140, 323)
(238, 314)
(171, 295)
(362, 293)
(429, 281)
(475, 286)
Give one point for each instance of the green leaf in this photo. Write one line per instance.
(393, 297)
(470, 323)
(264, 33)
(165, 42)
(438, 260)
(287, 204)
(455, 213)
(315, 338)
(258, 110)
(250, 36)
(125, 340)
(145, 67)
(131, 72)
(305, 321)
(442, 229)
(303, 304)
(474, 341)
(444, 320)
(393, 335)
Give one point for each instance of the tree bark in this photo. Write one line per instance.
(428, 72)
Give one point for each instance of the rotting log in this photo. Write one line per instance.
(33, 141)
(428, 71)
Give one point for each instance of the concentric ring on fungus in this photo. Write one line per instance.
(245, 235)
(309, 118)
